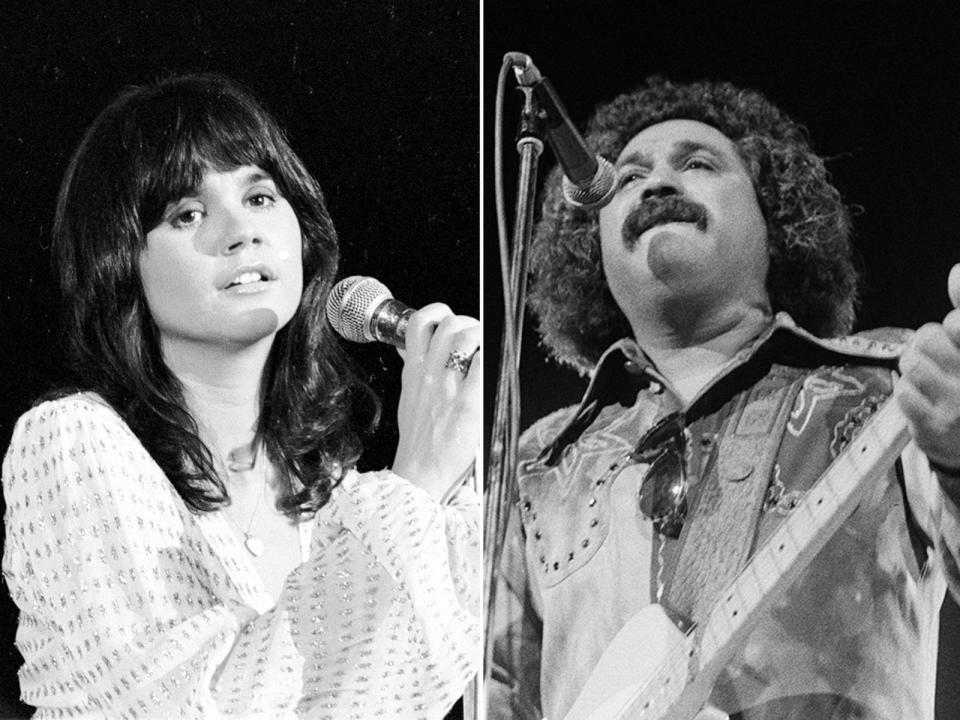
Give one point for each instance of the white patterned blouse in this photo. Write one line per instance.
(132, 606)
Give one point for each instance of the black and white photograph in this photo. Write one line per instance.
(241, 415)
(723, 482)
(480, 361)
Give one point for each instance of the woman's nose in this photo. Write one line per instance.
(239, 233)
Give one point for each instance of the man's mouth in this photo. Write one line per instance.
(653, 213)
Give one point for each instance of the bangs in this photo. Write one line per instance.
(153, 146)
(188, 131)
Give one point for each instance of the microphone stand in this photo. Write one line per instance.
(501, 485)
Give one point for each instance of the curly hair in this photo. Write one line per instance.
(152, 145)
(811, 272)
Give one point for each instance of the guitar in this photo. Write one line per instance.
(673, 677)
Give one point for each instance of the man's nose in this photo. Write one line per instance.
(660, 186)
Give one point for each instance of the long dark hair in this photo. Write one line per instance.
(150, 146)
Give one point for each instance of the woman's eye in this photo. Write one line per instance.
(262, 199)
(185, 218)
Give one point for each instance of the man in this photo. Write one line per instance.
(699, 298)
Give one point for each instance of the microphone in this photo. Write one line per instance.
(588, 179)
(362, 309)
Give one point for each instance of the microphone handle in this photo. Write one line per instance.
(388, 323)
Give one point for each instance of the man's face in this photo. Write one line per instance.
(684, 231)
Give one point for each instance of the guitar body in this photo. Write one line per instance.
(653, 671)
(645, 674)
(633, 658)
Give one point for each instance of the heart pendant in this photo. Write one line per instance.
(254, 545)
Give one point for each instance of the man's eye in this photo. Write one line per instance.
(629, 177)
(698, 163)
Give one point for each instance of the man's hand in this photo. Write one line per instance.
(929, 392)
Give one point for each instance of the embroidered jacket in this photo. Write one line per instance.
(131, 606)
(581, 559)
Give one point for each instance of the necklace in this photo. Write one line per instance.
(241, 462)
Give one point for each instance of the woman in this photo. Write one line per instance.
(188, 536)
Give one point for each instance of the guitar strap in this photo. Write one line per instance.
(721, 526)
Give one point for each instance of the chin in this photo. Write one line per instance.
(679, 257)
(255, 325)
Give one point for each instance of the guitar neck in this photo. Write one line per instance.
(819, 513)
(687, 670)
(686, 667)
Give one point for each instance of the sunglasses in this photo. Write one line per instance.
(663, 490)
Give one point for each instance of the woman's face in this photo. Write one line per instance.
(223, 266)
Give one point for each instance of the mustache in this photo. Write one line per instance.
(657, 211)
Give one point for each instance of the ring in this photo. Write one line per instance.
(457, 360)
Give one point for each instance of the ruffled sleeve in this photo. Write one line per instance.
(387, 607)
(117, 618)
(128, 611)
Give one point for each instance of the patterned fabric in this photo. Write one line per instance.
(580, 561)
(131, 606)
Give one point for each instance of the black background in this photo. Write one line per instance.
(380, 100)
(876, 82)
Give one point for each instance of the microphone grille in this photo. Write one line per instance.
(598, 193)
(350, 306)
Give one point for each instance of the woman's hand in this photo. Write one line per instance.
(440, 403)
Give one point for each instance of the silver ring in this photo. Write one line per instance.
(457, 360)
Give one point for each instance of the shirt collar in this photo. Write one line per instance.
(625, 369)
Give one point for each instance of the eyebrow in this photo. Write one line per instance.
(255, 175)
(249, 177)
(682, 149)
